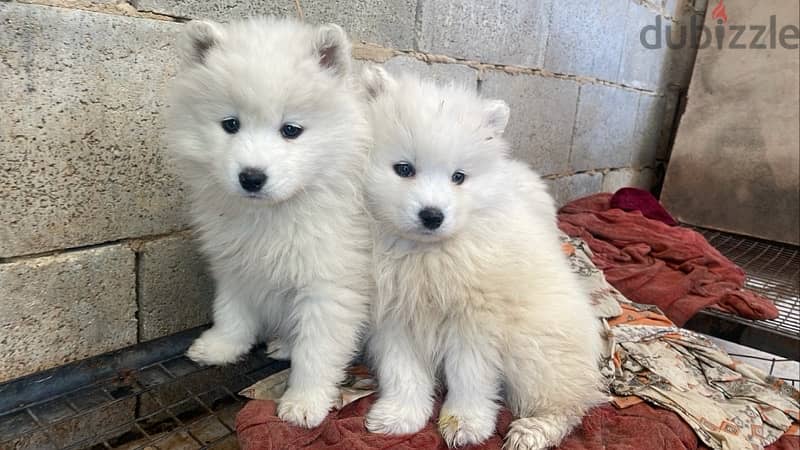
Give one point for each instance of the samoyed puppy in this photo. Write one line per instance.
(473, 287)
(267, 132)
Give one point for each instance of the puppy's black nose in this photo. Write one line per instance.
(252, 180)
(431, 218)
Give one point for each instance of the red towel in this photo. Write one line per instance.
(632, 199)
(258, 428)
(605, 428)
(651, 262)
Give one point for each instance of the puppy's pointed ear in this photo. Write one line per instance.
(333, 49)
(495, 116)
(197, 39)
(375, 81)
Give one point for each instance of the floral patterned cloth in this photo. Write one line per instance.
(730, 405)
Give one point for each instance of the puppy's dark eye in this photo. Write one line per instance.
(230, 125)
(458, 177)
(291, 131)
(404, 170)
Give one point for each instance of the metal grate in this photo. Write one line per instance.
(773, 271)
(782, 368)
(171, 403)
(151, 397)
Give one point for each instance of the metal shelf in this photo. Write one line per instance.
(773, 271)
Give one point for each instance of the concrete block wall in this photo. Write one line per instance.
(95, 252)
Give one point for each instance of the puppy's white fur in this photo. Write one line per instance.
(291, 262)
(486, 301)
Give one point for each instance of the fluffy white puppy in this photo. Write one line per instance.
(473, 287)
(269, 136)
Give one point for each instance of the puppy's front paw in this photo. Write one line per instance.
(388, 417)
(279, 350)
(304, 408)
(531, 433)
(209, 349)
(459, 428)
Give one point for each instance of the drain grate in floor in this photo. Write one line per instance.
(168, 404)
(773, 271)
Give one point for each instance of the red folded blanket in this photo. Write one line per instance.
(633, 199)
(651, 262)
(605, 428)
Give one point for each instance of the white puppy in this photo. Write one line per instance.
(267, 132)
(473, 286)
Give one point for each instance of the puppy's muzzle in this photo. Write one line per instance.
(252, 180)
(431, 218)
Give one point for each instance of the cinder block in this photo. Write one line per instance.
(587, 41)
(62, 308)
(80, 156)
(499, 32)
(640, 66)
(647, 133)
(672, 101)
(442, 73)
(677, 8)
(542, 117)
(175, 290)
(679, 63)
(566, 189)
(386, 22)
(604, 127)
(681, 56)
(699, 5)
(222, 11)
(656, 5)
(627, 177)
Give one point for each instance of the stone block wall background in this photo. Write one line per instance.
(95, 251)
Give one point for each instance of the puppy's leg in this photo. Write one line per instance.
(406, 384)
(550, 384)
(469, 412)
(279, 349)
(327, 324)
(234, 331)
(540, 432)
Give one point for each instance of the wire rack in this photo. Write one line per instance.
(168, 404)
(773, 271)
(782, 368)
(773, 365)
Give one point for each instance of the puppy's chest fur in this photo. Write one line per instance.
(282, 250)
(438, 283)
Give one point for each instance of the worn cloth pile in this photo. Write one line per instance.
(669, 389)
(652, 262)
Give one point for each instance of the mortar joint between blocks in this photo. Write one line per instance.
(135, 244)
(376, 53)
(124, 8)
